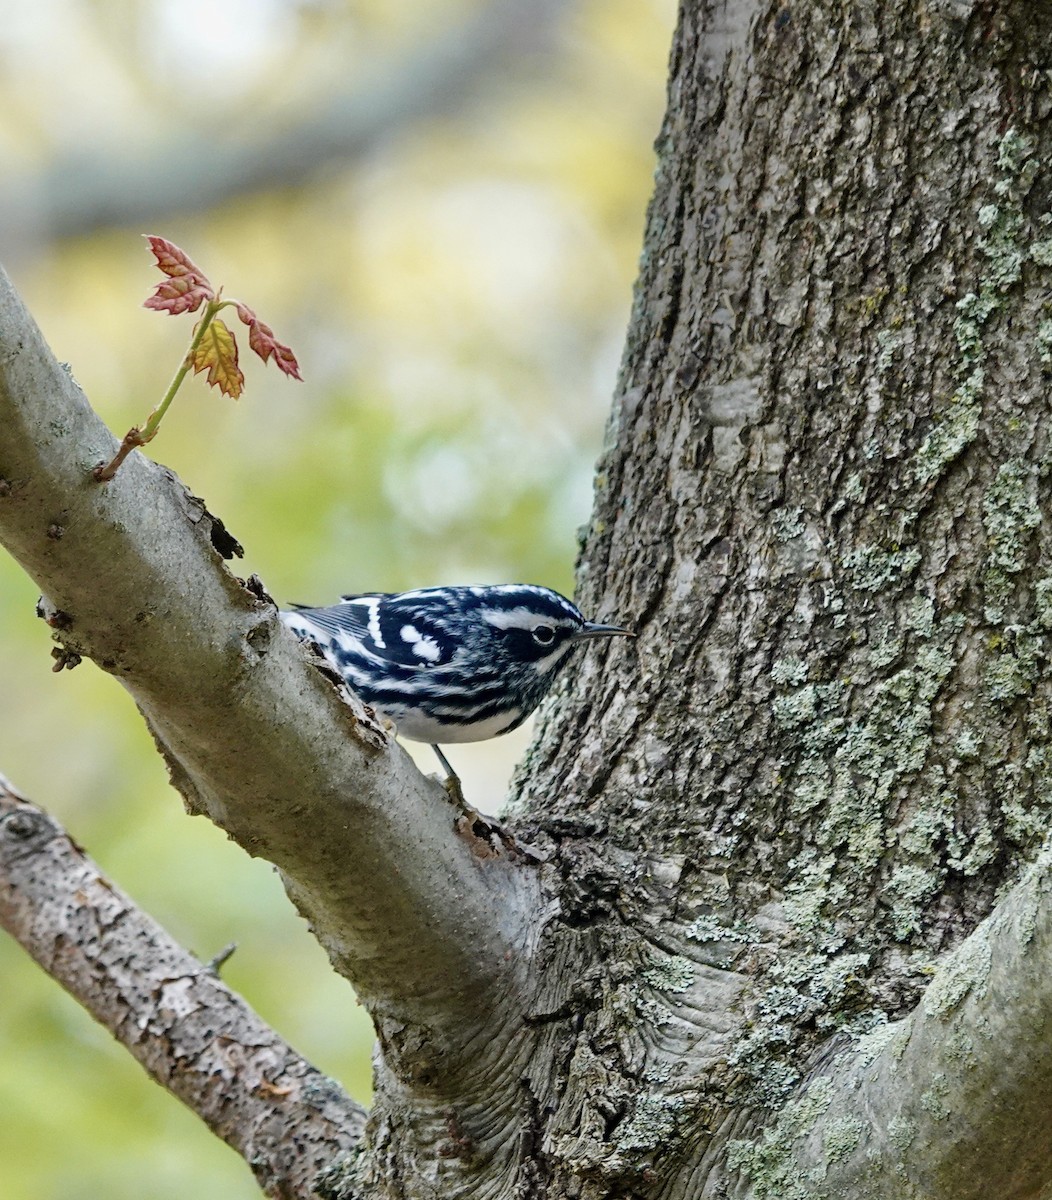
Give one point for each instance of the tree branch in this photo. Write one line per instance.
(949, 1103)
(429, 923)
(184, 1026)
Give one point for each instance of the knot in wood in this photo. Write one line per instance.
(23, 825)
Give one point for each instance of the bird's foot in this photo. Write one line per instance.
(456, 794)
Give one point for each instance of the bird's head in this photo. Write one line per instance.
(532, 631)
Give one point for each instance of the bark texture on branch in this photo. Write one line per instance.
(180, 1021)
(952, 1103)
(428, 921)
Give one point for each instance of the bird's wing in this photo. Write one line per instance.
(395, 628)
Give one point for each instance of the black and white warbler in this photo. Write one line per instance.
(450, 664)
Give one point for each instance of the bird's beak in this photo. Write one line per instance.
(592, 630)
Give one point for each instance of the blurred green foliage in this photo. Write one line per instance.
(457, 301)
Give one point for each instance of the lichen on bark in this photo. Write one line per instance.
(824, 506)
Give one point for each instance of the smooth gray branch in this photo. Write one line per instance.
(430, 923)
(185, 1027)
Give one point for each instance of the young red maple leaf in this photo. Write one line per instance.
(187, 286)
(261, 339)
(217, 354)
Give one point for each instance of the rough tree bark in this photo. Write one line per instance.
(825, 508)
(781, 925)
(186, 1029)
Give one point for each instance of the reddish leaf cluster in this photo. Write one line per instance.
(261, 339)
(185, 289)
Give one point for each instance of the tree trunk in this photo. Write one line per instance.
(767, 925)
(824, 507)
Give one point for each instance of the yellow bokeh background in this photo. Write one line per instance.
(457, 296)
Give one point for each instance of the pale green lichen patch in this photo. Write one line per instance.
(791, 671)
(871, 1045)
(797, 708)
(651, 1125)
(709, 929)
(920, 615)
(909, 887)
(1014, 152)
(840, 1136)
(888, 342)
(885, 647)
(1010, 514)
(788, 523)
(979, 853)
(1023, 824)
(919, 872)
(801, 988)
(1002, 223)
(831, 980)
(998, 590)
(1003, 251)
(854, 488)
(809, 794)
(1032, 894)
(1041, 252)
(1004, 680)
(669, 973)
(769, 1162)
(960, 1048)
(967, 744)
(872, 568)
(965, 972)
(1043, 602)
(901, 1132)
(1013, 667)
(805, 902)
(1043, 340)
(946, 441)
(973, 311)
(934, 1099)
(848, 769)
(666, 975)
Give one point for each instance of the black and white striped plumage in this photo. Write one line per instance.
(450, 664)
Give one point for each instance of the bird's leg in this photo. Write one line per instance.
(482, 831)
(470, 824)
(452, 781)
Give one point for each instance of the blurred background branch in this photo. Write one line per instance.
(213, 157)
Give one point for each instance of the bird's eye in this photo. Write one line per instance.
(544, 635)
